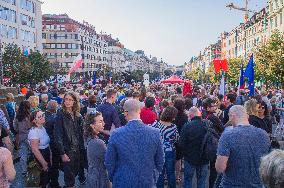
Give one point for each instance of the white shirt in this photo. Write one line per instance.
(41, 135)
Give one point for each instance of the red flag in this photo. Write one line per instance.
(77, 63)
(224, 65)
(217, 65)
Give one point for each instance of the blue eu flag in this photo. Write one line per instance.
(249, 73)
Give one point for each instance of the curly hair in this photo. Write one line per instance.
(251, 107)
(89, 120)
(76, 105)
(34, 101)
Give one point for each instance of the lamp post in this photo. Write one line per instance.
(1, 64)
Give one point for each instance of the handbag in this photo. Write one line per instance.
(34, 170)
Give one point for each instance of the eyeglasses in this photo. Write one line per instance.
(40, 116)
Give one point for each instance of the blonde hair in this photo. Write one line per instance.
(9, 97)
(76, 105)
(250, 107)
(34, 101)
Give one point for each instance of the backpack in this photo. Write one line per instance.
(209, 143)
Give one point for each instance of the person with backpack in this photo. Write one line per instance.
(91, 106)
(190, 142)
(209, 106)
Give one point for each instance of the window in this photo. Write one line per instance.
(7, 14)
(27, 36)
(44, 35)
(27, 20)
(28, 5)
(13, 2)
(276, 21)
(281, 18)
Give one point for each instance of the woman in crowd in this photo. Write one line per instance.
(179, 121)
(22, 126)
(10, 105)
(147, 115)
(264, 114)
(39, 142)
(34, 101)
(7, 170)
(96, 149)
(252, 108)
(272, 169)
(169, 134)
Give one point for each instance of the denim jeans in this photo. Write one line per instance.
(169, 168)
(201, 175)
(23, 152)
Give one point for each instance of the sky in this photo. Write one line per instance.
(174, 30)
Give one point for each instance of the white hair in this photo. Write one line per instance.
(132, 106)
(272, 169)
(194, 111)
(44, 96)
(239, 112)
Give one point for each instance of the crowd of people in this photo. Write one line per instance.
(130, 136)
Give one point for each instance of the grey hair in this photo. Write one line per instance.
(43, 95)
(272, 169)
(132, 106)
(194, 111)
(52, 105)
(239, 111)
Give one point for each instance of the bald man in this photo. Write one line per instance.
(134, 156)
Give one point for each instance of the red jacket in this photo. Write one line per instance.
(148, 116)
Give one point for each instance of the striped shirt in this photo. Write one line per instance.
(169, 135)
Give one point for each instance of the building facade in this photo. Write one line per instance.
(64, 39)
(21, 24)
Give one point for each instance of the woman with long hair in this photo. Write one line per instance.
(264, 114)
(169, 134)
(22, 127)
(69, 138)
(39, 142)
(96, 149)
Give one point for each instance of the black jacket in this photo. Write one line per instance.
(68, 134)
(258, 122)
(191, 139)
(49, 125)
(216, 123)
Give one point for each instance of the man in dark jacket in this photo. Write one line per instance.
(230, 101)
(190, 142)
(50, 116)
(210, 107)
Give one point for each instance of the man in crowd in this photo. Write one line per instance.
(210, 107)
(109, 112)
(190, 143)
(280, 108)
(230, 101)
(240, 150)
(134, 156)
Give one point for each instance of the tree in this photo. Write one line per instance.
(21, 70)
(14, 65)
(233, 73)
(168, 72)
(40, 66)
(269, 60)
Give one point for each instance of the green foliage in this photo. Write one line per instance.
(269, 60)
(21, 70)
(233, 73)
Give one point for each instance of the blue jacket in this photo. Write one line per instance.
(134, 156)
